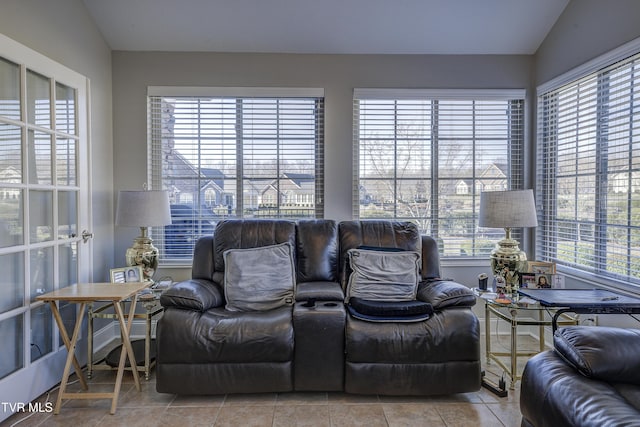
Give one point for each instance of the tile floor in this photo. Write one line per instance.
(149, 408)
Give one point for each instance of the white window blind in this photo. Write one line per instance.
(589, 172)
(225, 156)
(425, 156)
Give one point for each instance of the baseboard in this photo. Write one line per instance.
(102, 337)
(111, 332)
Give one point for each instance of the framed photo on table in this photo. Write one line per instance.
(543, 281)
(126, 274)
(528, 280)
(538, 267)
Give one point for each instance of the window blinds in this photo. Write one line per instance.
(588, 180)
(223, 156)
(425, 156)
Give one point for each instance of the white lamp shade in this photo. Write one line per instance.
(507, 209)
(143, 209)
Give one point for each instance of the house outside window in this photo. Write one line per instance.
(588, 182)
(426, 155)
(234, 153)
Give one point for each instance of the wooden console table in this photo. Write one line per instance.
(84, 294)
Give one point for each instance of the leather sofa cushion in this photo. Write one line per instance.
(554, 394)
(604, 353)
(389, 311)
(391, 308)
(380, 233)
(317, 250)
(445, 293)
(222, 336)
(451, 335)
(259, 278)
(430, 258)
(383, 275)
(243, 234)
(193, 294)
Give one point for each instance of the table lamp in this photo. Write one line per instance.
(508, 209)
(143, 209)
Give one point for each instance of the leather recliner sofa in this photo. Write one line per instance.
(590, 378)
(314, 344)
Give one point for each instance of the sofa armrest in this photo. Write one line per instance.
(445, 293)
(319, 290)
(193, 294)
(603, 353)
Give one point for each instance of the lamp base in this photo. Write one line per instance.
(508, 262)
(144, 254)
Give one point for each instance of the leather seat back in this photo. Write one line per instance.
(383, 233)
(317, 251)
(244, 234)
(202, 267)
(430, 258)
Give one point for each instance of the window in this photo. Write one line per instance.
(234, 153)
(588, 180)
(425, 156)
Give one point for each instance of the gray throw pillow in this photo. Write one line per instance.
(260, 278)
(383, 276)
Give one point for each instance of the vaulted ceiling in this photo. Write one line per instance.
(327, 26)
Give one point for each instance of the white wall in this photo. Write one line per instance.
(585, 30)
(63, 31)
(337, 74)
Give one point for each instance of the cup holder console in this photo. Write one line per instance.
(311, 302)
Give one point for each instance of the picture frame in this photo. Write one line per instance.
(527, 280)
(557, 281)
(543, 281)
(126, 274)
(539, 267)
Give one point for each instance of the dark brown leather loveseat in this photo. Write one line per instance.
(313, 343)
(591, 378)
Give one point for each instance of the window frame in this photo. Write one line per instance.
(514, 155)
(279, 104)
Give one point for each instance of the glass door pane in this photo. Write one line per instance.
(65, 109)
(42, 278)
(10, 153)
(11, 281)
(38, 99)
(11, 214)
(40, 215)
(66, 161)
(41, 331)
(9, 89)
(67, 214)
(39, 155)
(11, 333)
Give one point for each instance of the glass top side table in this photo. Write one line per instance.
(152, 308)
(517, 312)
